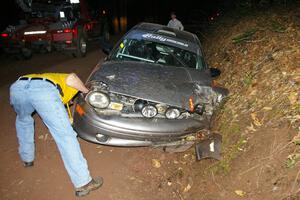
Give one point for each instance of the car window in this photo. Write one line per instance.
(154, 52)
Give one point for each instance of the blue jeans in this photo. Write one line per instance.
(27, 96)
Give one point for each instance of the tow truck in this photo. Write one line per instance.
(63, 25)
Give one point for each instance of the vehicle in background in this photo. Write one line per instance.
(154, 89)
(52, 25)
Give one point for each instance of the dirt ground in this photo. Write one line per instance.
(257, 153)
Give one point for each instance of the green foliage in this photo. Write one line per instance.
(230, 153)
(248, 79)
(292, 160)
(277, 27)
(246, 36)
(298, 109)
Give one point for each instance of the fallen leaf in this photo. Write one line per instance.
(267, 108)
(20, 182)
(240, 193)
(251, 128)
(187, 188)
(292, 159)
(256, 121)
(293, 98)
(186, 155)
(156, 163)
(296, 139)
(253, 92)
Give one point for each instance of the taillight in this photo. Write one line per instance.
(4, 35)
(67, 30)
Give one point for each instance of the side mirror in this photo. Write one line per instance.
(214, 72)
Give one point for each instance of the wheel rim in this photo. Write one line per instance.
(82, 45)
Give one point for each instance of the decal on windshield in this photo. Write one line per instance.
(163, 39)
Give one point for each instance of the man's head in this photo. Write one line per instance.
(173, 15)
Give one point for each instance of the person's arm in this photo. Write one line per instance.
(180, 26)
(169, 24)
(74, 81)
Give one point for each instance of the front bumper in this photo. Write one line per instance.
(121, 131)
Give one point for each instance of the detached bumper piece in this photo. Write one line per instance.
(209, 148)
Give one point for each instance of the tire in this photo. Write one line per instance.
(106, 34)
(81, 46)
(26, 53)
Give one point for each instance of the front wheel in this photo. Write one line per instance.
(81, 45)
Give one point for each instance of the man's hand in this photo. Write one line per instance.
(74, 81)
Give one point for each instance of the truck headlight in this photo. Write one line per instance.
(149, 111)
(172, 113)
(98, 99)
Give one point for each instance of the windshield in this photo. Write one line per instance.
(153, 52)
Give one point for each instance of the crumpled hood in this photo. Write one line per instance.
(163, 84)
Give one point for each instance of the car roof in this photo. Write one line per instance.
(167, 31)
(181, 39)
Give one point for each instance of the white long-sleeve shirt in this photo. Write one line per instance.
(175, 23)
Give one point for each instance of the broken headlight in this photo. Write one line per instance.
(98, 99)
(172, 113)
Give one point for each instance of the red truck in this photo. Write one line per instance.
(52, 25)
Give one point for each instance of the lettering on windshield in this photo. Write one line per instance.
(163, 39)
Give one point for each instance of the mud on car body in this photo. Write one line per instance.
(153, 89)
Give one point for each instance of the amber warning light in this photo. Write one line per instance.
(191, 104)
(79, 110)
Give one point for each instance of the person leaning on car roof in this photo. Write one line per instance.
(46, 94)
(175, 23)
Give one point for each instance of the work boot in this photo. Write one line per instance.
(28, 164)
(94, 184)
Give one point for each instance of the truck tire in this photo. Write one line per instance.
(106, 34)
(26, 53)
(81, 44)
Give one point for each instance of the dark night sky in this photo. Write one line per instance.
(137, 10)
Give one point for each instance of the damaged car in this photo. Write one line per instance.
(153, 89)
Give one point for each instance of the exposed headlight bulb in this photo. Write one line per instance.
(172, 113)
(149, 111)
